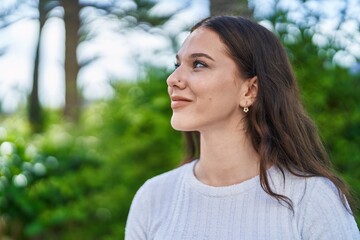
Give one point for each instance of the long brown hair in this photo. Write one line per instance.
(281, 131)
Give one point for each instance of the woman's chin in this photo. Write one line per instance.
(181, 125)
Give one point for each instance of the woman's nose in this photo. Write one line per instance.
(176, 79)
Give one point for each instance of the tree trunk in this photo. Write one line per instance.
(230, 7)
(72, 26)
(35, 111)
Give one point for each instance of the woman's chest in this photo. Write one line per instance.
(247, 216)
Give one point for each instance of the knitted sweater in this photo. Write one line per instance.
(176, 205)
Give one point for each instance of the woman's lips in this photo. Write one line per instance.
(179, 101)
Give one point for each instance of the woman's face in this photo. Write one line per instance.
(205, 88)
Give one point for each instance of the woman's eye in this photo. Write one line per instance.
(176, 65)
(199, 64)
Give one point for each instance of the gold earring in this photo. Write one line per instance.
(246, 109)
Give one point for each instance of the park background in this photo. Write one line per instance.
(74, 151)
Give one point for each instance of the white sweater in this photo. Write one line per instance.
(175, 205)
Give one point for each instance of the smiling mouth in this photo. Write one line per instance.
(178, 102)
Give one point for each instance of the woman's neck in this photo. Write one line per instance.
(226, 159)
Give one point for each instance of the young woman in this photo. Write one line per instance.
(262, 171)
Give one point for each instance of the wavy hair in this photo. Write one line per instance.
(280, 130)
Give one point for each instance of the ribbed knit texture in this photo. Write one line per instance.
(175, 205)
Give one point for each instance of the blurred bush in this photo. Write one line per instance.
(77, 182)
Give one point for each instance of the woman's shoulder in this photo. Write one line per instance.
(166, 182)
(319, 203)
(300, 188)
(152, 201)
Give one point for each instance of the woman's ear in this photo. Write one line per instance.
(249, 90)
(252, 88)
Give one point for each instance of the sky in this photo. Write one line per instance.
(118, 52)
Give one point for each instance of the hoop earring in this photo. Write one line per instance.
(246, 109)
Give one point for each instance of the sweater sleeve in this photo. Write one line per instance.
(322, 214)
(137, 221)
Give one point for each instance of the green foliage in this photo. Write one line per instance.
(26, 163)
(90, 173)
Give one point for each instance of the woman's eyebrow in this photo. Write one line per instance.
(195, 55)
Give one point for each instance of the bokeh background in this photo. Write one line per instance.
(84, 111)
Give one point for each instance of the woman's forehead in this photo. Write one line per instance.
(202, 40)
